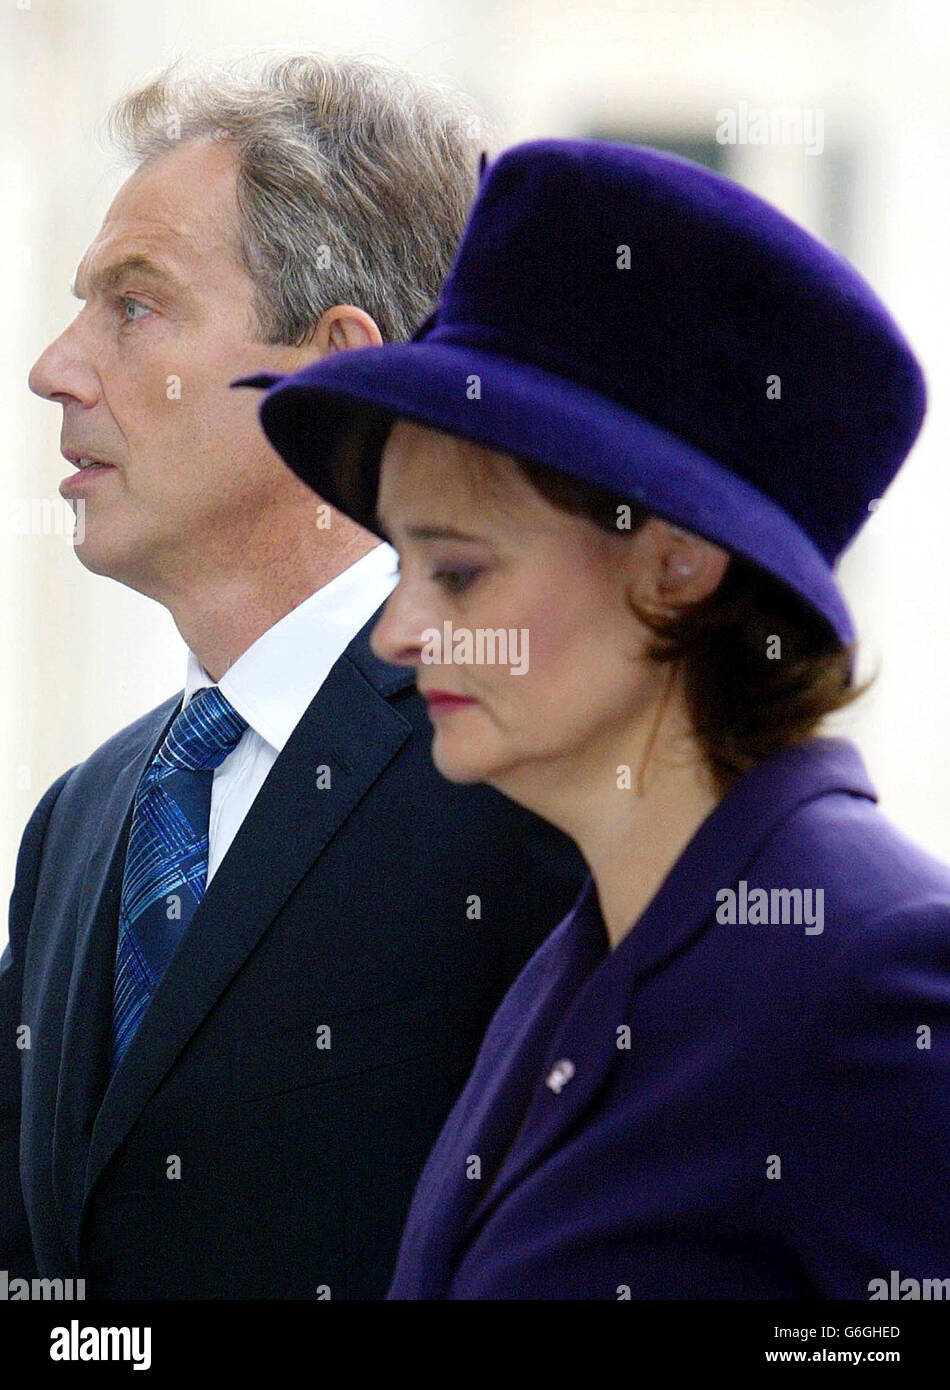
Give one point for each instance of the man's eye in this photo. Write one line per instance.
(454, 580)
(132, 304)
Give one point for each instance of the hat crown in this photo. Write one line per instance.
(693, 303)
(649, 327)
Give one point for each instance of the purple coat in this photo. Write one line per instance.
(722, 1106)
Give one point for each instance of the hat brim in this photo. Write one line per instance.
(329, 423)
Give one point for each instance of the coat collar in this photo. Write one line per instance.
(730, 836)
(577, 961)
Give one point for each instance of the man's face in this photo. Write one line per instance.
(184, 475)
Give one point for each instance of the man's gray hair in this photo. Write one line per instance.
(354, 180)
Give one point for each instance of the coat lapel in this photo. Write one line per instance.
(683, 907)
(482, 1126)
(350, 728)
(580, 960)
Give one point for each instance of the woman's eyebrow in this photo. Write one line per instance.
(427, 533)
(440, 533)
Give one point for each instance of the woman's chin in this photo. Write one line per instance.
(461, 764)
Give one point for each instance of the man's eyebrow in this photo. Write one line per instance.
(108, 276)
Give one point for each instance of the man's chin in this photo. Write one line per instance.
(110, 563)
(94, 558)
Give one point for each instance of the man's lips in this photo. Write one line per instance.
(88, 466)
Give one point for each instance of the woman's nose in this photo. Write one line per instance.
(397, 636)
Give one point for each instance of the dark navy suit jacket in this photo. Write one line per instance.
(349, 907)
(715, 1110)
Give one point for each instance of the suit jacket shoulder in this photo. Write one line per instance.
(364, 899)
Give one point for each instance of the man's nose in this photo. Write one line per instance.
(62, 371)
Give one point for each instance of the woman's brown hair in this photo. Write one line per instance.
(745, 702)
(760, 670)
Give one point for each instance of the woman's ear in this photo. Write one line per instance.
(671, 567)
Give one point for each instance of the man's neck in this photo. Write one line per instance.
(224, 616)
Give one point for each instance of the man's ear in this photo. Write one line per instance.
(344, 327)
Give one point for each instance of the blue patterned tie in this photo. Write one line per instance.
(166, 865)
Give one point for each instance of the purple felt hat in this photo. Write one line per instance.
(638, 322)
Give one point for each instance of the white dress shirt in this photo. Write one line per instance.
(273, 682)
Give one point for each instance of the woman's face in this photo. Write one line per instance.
(520, 611)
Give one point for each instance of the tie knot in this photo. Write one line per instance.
(202, 734)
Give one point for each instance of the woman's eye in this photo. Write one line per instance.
(132, 304)
(454, 580)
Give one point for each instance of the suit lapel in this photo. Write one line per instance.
(348, 728)
(87, 1023)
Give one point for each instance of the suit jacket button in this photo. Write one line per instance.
(560, 1074)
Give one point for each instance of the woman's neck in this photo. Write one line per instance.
(632, 846)
(631, 807)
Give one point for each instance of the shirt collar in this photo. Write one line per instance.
(273, 682)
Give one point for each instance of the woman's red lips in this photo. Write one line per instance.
(444, 699)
